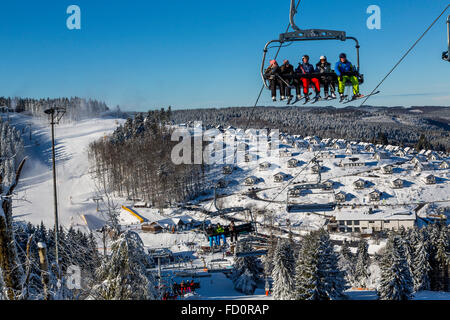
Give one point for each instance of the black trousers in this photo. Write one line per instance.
(328, 82)
(234, 236)
(273, 87)
(298, 86)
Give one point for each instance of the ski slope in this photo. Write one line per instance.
(34, 199)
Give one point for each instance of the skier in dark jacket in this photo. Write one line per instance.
(345, 70)
(287, 74)
(273, 74)
(307, 68)
(233, 232)
(323, 66)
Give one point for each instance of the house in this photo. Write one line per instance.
(397, 183)
(400, 153)
(285, 153)
(433, 156)
(227, 169)
(279, 177)
(314, 147)
(340, 196)
(359, 184)
(338, 145)
(328, 185)
(381, 156)
(300, 144)
(423, 166)
(351, 150)
(153, 227)
(444, 165)
(387, 169)
(429, 179)
(264, 165)
(326, 155)
(366, 223)
(370, 148)
(292, 163)
(375, 195)
(418, 159)
(250, 181)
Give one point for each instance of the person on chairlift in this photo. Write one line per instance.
(306, 68)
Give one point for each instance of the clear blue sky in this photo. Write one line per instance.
(197, 53)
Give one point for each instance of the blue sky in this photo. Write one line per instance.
(196, 53)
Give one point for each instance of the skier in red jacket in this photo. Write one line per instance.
(306, 68)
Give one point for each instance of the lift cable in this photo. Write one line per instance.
(404, 56)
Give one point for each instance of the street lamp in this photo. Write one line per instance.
(55, 114)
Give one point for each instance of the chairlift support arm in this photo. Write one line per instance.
(448, 40)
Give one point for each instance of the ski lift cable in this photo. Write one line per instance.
(292, 180)
(404, 56)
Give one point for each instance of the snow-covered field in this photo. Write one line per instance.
(76, 190)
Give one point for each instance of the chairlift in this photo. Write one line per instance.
(446, 54)
(298, 35)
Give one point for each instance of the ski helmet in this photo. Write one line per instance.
(342, 55)
(305, 57)
(323, 57)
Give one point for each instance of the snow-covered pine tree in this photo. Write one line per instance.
(283, 271)
(245, 283)
(307, 278)
(10, 266)
(268, 259)
(123, 275)
(362, 273)
(442, 249)
(410, 238)
(347, 264)
(396, 282)
(332, 278)
(421, 263)
(243, 268)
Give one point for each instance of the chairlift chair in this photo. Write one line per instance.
(298, 35)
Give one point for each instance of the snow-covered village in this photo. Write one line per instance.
(332, 185)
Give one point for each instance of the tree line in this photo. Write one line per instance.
(360, 124)
(413, 260)
(76, 108)
(135, 162)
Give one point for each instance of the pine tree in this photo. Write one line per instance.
(347, 264)
(307, 278)
(283, 271)
(245, 283)
(331, 276)
(124, 275)
(421, 264)
(396, 281)
(243, 268)
(362, 272)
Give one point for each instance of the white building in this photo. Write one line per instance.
(357, 222)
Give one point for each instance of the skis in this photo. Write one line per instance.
(297, 100)
(316, 99)
(360, 97)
